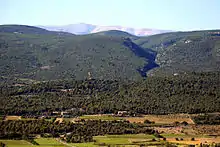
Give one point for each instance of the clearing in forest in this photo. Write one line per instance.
(162, 119)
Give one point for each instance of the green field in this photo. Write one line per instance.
(127, 140)
(90, 144)
(131, 140)
(47, 141)
(120, 140)
(135, 140)
(16, 143)
(43, 142)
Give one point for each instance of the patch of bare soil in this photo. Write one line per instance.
(186, 130)
(162, 119)
(197, 141)
(12, 117)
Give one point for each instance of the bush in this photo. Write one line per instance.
(153, 139)
(184, 123)
(148, 122)
(158, 135)
(33, 142)
(193, 139)
(191, 145)
(176, 123)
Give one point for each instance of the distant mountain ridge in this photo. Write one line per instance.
(82, 28)
(36, 53)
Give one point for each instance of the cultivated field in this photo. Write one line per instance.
(16, 143)
(158, 119)
(187, 139)
(134, 140)
(162, 119)
(43, 142)
(147, 140)
(101, 116)
(48, 142)
(120, 140)
(180, 135)
(12, 117)
(208, 129)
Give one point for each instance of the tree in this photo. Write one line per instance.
(184, 123)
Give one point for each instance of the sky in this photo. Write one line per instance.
(178, 15)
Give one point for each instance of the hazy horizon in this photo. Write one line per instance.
(181, 15)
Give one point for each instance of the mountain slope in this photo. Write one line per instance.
(179, 52)
(83, 28)
(45, 57)
(115, 33)
(184, 51)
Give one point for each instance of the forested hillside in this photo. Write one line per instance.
(33, 53)
(46, 57)
(43, 71)
(185, 93)
(184, 51)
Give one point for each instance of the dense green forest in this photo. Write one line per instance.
(55, 56)
(42, 71)
(74, 132)
(184, 93)
(32, 53)
(184, 51)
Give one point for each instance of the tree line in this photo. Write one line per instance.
(73, 132)
(184, 93)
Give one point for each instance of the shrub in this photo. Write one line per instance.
(148, 122)
(176, 123)
(184, 123)
(153, 139)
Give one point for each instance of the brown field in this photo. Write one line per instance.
(208, 129)
(197, 141)
(177, 130)
(162, 119)
(12, 117)
(158, 119)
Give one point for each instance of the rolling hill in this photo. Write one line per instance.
(35, 53)
(22, 29)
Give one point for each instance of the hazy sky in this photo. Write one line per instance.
(160, 14)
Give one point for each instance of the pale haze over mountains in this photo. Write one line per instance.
(83, 28)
